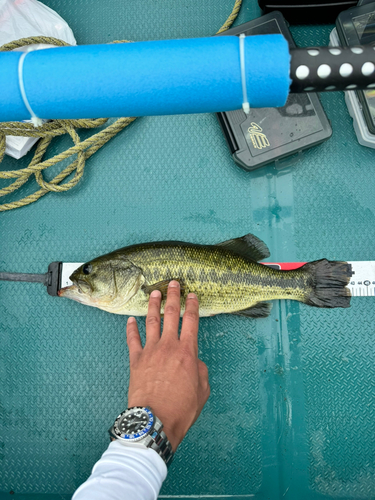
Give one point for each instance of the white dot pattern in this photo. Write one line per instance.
(371, 86)
(368, 68)
(349, 87)
(313, 52)
(331, 87)
(346, 70)
(356, 50)
(335, 51)
(302, 72)
(324, 71)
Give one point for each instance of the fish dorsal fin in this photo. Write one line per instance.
(260, 310)
(248, 246)
(162, 286)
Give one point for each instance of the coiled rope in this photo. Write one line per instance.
(83, 149)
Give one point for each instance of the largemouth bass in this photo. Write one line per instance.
(226, 278)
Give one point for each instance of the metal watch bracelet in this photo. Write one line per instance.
(158, 441)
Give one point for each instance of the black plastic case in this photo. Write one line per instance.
(268, 135)
(357, 27)
(308, 11)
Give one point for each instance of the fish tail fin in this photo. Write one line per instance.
(327, 282)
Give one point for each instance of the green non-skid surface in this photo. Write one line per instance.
(291, 413)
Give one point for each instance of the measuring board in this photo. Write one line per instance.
(362, 283)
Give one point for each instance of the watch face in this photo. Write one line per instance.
(134, 423)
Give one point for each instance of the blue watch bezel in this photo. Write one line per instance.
(139, 435)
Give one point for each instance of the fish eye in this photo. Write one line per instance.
(87, 268)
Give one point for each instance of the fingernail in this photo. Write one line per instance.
(131, 319)
(174, 284)
(155, 293)
(191, 296)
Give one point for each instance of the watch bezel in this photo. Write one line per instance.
(133, 438)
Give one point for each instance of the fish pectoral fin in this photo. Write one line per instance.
(162, 286)
(248, 246)
(260, 310)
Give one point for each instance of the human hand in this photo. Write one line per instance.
(166, 374)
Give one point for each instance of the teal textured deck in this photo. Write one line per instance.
(291, 413)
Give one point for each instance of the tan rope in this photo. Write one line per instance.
(228, 23)
(83, 149)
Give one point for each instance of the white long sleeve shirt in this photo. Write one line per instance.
(122, 473)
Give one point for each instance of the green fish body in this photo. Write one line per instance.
(226, 278)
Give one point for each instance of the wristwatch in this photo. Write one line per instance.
(138, 426)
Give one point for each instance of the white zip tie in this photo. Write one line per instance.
(37, 122)
(245, 104)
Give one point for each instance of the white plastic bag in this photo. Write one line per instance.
(22, 19)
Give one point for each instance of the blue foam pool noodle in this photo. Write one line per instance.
(200, 75)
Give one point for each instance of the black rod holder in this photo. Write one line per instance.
(324, 69)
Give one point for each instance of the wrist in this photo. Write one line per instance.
(171, 431)
(170, 426)
(172, 438)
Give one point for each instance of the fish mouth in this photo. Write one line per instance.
(73, 292)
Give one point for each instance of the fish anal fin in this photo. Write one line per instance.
(260, 310)
(162, 286)
(248, 246)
